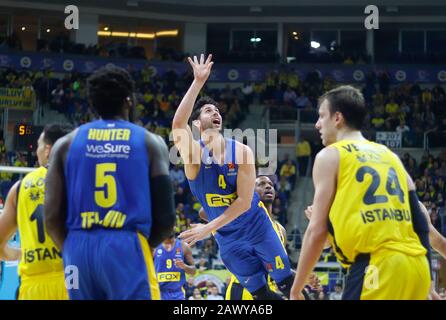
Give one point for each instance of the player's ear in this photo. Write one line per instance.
(47, 150)
(339, 118)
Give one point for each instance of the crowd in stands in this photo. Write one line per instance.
(429, 176)
(404, 108)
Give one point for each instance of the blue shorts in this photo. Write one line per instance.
(251, 258)
(172, 295)
(111, 265)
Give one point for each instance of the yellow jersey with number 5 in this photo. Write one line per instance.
(39, 253)
(370, 212)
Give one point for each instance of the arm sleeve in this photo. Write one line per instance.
(420, 225)
(163, 209)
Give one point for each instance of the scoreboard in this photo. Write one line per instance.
(26, 136)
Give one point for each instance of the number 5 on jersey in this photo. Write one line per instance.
(106, 196)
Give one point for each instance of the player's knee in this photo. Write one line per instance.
(265, 293)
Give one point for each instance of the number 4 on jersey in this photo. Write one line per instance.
(222, 182)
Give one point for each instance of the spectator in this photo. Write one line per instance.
(180, 196)
(337, 294)
(303, 153)
(288, 170)
(56, 98)
(279, 211)
(289, 97)
(196, 295)
(203, 264)
(435, 217)
(213, 293)
(20, 160)
(3, 150)
(402, 128)
(378, 121)
(392, 107)
(6, 178)
(177, 176)
(189, 287)
(302, 101)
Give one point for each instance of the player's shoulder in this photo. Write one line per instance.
(63, 144)
(154, 141)
(327, 154)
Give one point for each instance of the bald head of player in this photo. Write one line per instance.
(110, 91)
(341, 111)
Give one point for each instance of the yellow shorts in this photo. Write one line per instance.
(236, 291)
(388, 276)
(47, 286)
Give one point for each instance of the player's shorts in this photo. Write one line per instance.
(236, 291)
(389, 275)
(45, 286)
(111, 265)
(173, 295)
(250, 259)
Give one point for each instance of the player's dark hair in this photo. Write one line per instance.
(108, 87)
(52, 132)
(350, 102)
(199, 104)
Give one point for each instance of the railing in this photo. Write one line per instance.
(16, 169)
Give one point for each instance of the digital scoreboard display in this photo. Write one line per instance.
(26, 136)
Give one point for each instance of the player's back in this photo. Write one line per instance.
(371, 210)
(40, 268)
(109, 212)
(39, 254)
(107, 178)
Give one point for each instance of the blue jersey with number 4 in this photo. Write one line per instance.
(215, 187)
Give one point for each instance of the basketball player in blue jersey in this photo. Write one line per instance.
(109, 196)
(224, 185)
(173, 259)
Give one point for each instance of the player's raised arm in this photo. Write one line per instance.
(180, 129)
(8, 225)
(324, 179)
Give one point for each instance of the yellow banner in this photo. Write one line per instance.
(20, 99)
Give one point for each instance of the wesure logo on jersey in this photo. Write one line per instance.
(169, 277)
(108, 149)
(220, 200)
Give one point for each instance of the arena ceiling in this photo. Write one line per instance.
(253, 11)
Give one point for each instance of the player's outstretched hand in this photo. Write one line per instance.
(196, 233)
(202, 69)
